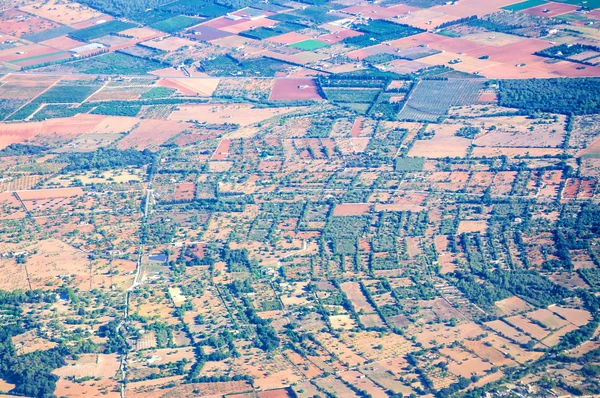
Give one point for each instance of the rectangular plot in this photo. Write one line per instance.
(431, 99)
(101, 30)
(524, 5)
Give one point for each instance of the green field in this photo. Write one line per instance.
(588, 3)
(309, 45)
(116, 64)
(524, 5)
(96, 31)
(175, 24)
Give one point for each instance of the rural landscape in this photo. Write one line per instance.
(299, 199)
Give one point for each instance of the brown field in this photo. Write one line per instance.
(106, 388)
(508, 331)
(385, 374)
(44, 194)
(24, 87)
(334, 386)
(63, 13)
(360, 381)
(63, 43)
(443, 144)
(5, 387)
(354, 293)
(351, 209)
(575, 316)
(522, 136)
(185, 191)
(151, 133)
(357, 127)
(20, 132)
(17, 23)
(512, 152)
(373, 346)
(222, 151)
(524, 324)
(29, 342)
(289, 38)
(91, 365)
(195, 87)
(512, 305)
(472, 226)
(92, 22)
(464, 363)
(372, 320)
(555, 337)
(295, 90)
(518, 354)
(26, 51)
(169, 43)
(341, 350)
(548, 318)
(488, 353)
(244, 114)
(219, 167)
(53, 259)
(10, 207)
(188, 390)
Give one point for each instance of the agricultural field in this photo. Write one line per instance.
(325, 198)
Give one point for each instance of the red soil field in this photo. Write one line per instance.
(31, 50)
(135, 41)
(587, 189)
(515, 52)
(17, 23)
(352, 209)
(221, 22)
(186, 139)
(41, 60)
(175, 85)
(553, 9)
(63, 43)
(247, 25)
(222, 151)
(357, 127)
(274, 394)
(488, 97)
(571, 69)
(439, 42)
(11, 133)
(40, 194)
(571, 188)
(294, 90)
(185, 191)
(151, 133)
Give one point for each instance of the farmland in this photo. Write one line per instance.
(325, 198)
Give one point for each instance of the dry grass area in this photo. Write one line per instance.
(244, 114)
(67, 13)
(103, 366)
